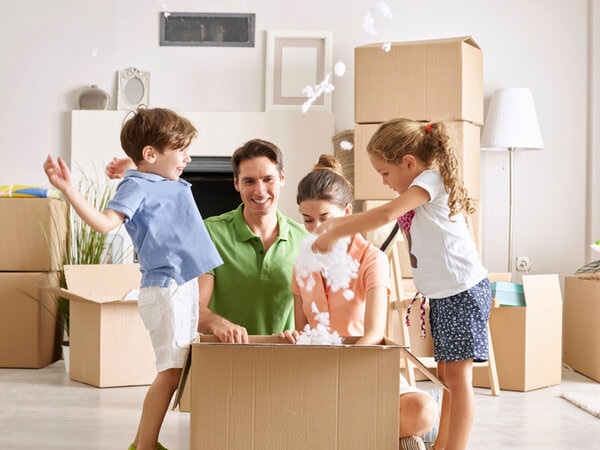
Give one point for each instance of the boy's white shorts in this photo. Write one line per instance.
(171, 317)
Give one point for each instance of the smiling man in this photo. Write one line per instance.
(250, 293)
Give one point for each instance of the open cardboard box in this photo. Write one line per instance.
(109, 345)
(528, 339)
(272, 394)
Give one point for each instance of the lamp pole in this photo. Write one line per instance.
(511, 153)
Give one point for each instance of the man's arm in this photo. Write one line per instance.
(212, 323)
(117, 167)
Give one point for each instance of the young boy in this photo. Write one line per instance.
(169, 237)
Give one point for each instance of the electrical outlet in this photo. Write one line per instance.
(523, 263)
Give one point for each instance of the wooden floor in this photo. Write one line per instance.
(43, 409)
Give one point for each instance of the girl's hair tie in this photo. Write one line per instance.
(427, 128)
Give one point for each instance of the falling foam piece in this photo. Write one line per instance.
(313, 93)
(165, 8)
(345, 145)
(340, 69)
(368, 24)
(381, 9)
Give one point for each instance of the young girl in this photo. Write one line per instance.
(324, 194)
(417, 161)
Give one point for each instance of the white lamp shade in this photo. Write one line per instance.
(511, 122)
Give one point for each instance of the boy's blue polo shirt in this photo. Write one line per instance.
(253, 287)
(166, 228)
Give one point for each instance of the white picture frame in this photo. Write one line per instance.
(294, 60)
(132, 89)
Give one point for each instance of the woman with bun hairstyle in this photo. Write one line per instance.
(325, 194)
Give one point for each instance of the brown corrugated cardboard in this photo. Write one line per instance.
(528, 339)
(30, 334)
(109, 345)
(271, 394)
(423, 80)
(581, 337)
(34, 233)
(368, 184)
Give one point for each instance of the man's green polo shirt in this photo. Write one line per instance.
(253, 287)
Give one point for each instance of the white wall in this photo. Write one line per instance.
(52, 50)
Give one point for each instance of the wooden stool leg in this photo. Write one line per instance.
(493, 373)
(410, 368)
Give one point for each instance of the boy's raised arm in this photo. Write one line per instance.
(59, 176)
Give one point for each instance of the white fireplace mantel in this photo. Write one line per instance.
(302, 138)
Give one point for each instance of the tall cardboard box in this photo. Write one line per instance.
(422, 80)
(30, 333)
(109, 345)
(581, 337)
(34, 234)
(528, 339)
(270, 394)
(368, 184)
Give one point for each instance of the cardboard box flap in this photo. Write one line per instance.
(466, 39)
(542, 291)
(100, 283)
(275, 341)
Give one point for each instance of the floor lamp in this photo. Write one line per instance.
(511, 124)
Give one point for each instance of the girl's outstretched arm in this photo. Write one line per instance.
(59, 176)
(334, 229)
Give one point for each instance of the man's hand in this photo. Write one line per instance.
(117, 167)
(229, 332)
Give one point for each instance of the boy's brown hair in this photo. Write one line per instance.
(156, 127)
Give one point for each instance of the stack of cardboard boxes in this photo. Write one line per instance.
(442, 80)
(433, 80)
(33, 241)
(429, 81)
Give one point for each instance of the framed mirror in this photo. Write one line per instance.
(132, 89)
